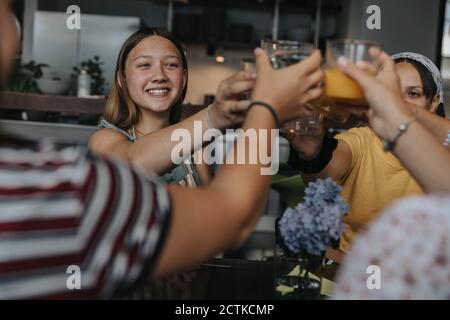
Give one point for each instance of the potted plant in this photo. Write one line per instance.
(24, 76)
(94, 68)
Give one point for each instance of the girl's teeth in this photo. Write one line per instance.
(157, 92)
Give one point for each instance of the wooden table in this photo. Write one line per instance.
(66, 104)
(47, 103)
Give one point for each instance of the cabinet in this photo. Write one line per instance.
(242, 23)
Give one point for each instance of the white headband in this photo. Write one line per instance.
(427, 63)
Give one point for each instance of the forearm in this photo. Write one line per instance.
(251, 184)
(153, 152)
(222, 214)
(438, 126)
(425, 158)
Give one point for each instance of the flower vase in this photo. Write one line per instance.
(296, 276)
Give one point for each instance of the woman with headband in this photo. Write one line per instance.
(422, 86)
(427, 79)
(357, 159)
(408, 244)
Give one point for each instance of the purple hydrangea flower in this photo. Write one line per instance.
(314, 224)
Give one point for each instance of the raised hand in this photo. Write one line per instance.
(228, 109)
(288, 89)
(382, 92)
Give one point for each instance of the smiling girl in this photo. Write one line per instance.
(145, 103)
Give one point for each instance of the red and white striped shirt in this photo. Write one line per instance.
(62, 207)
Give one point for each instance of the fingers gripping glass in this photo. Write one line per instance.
(283, 53)
(249, 65)
(340, 90)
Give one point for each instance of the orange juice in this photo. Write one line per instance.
(338, 86)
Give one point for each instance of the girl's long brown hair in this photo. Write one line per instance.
(120, 109)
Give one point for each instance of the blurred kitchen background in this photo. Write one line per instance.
(219, 30)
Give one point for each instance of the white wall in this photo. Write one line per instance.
(101, 35)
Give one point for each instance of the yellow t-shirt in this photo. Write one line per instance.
(375, 179)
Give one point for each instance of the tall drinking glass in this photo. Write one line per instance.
(340, 89)
(283, 53)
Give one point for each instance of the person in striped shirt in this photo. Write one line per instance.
(61, 207)
(64, 210)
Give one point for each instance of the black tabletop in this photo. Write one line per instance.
(234, 279)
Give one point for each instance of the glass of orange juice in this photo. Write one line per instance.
(339, 87)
